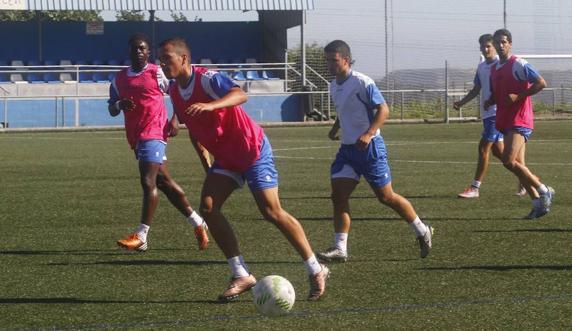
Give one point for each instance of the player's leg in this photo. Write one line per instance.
(262, 180)
(344, 180)
(268, 203)
(482, 167)
(342, 188)
(150, 155)
(178, 199)
(489, 136)
(541, 195)
(404, 208)
(216, 190)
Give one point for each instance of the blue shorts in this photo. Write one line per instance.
(525, 132)
(151, 151)
(490, 132)
(260, 176)
(370, 163)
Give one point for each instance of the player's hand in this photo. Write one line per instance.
(126, 104)
(363, 141)
(457, 105)
(487, 104)
(333, 135)
(197, 108)
(511, 99)
(174, 127)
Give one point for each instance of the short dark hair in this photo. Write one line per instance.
(339, 46)
(486, 38)
(137, 38)
(178, 43)
(503, 32)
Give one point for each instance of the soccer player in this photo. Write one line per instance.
(513, 82)
(491, 138)
(362, 111)
(138, 92)
(209, 104)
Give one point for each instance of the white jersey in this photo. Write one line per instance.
(356, 100)
(483, 79)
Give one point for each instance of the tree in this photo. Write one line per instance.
(130, 15)
(178, 17)
(53, 15)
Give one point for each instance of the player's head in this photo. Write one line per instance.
(174, 56)
(138, 50)
(338, 57)
(487, 47)
(502, 40)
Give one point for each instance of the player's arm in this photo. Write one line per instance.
(524, 71)
(377, 123)
(174, 125)
(474, 92)
(333, 134)
(223, 91)
(115, 104)
(203, 154)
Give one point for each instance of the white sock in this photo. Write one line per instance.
(341, 241)
(476, 184)
(312, 265)
(195, 219)
(536, 203)
(142, 231)
(238, 267)
(418, 227)
(542, 189)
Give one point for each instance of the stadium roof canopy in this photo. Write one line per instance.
(159, 5)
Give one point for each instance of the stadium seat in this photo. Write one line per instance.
(127, 62)
(250, 60)
(33, 63)
(17, 78)
(35, 78)
(4, 78)
(238, 75)
(113, 62)
(224, 73)
(85, 77)
(111, 76)
(51, 77)
(253, 75)
(269, 75)
(100, 77)
(206, 61)
(51, 62)
(97, 62)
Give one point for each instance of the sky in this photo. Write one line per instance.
(425, 33)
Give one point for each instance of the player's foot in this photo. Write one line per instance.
(425, 242)
(536, 212)
(236, 287)
(318, 284)
(547, 197)
(469, 193)
(133, 243)
(332, 254)
(521, 192)
(202, 236)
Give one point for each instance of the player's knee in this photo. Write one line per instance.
(206, 208)
(272, 214)
(510, 164)
(386, 198)
(339, 199)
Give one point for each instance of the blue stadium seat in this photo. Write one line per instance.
(127, 62)
(97, 62)
(4, 78)
(238, 75)
(100, 77)
(51, 77)
(85, 77)
(269, 75)
(33, 63)
(253, 75)
(34, 78)
(111, 76)
(224, 73)
(51, 63)
(113, 62)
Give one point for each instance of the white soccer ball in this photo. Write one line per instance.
(273, 296)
